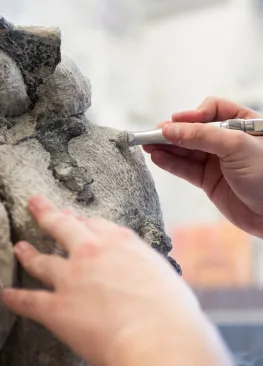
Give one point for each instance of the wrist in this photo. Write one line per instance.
(188, 341)
(140, 345)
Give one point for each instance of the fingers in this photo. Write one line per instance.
(218, 109)
(161, 124)
(214, 109)
(207, 138)
(183, 168)
(189, 116)
(36, 305)
(173, 149)
(179, 151)
(150, 148)
(65, 229)
(72, 231)
(202, 136)
(97, 224)
(46, 268)
(69, 211)
(100, 225)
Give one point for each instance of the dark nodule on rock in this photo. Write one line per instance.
(152, 231)
(175, 265)
(86, 195)
(55, 134)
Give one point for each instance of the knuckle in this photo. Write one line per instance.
(28, 301)
(88, 249)
(197, 131)
(210, 99)
(31, 262)
(209, 108)
(38, 265)
(76, 273)
(61, 302)
(38, 307)
(239, 139)
(54, 221)
(163, 123)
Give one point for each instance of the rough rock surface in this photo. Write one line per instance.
(67, 92)
(36, 51)
(11, 84)
(51, 148)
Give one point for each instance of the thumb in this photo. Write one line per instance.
(207, 138)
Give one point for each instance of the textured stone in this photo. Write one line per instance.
(53, 149)
(36, 51)
(13, 96)
(67, 92)
(4, 24)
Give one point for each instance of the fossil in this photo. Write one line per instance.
(48, 146)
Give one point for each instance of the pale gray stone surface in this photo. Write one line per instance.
(53, 149)
(66, 92)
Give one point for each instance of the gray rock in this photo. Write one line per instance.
(14, 100)
(66, 92)
(36, 51)
(4, 24)
(53, 149)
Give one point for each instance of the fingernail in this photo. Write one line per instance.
(172, 132)
(39, 203)
(21, 247)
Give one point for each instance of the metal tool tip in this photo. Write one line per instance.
(121, 140)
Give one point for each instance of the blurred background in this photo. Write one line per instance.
(147, 59)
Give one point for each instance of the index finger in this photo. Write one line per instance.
(65, 229)
(210, 139)
(214, 109)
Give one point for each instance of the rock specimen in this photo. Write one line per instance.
(47, 146)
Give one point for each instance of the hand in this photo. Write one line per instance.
(226, 164)
(115, 301)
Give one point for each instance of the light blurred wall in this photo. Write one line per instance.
(145, 72)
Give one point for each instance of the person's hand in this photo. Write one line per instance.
(114, 300)
(226, 164)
